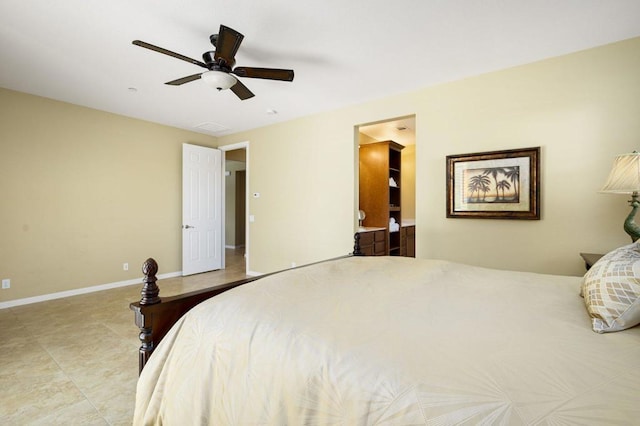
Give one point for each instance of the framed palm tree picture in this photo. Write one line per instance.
(494, 185)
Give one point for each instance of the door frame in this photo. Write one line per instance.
(240, 145)
(356, 163)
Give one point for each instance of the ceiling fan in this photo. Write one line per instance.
(221, 74)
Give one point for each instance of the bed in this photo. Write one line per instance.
(392, 340)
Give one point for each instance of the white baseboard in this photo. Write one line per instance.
(84, 290)
(253, 273)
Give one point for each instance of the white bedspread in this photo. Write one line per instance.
(378, 340)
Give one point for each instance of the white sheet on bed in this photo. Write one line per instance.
(379, 340)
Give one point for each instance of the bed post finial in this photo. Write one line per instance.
(150, 290)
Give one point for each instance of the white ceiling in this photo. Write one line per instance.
(401, 130)
(343, 52)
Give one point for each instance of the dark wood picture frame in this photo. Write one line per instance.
(494, 185)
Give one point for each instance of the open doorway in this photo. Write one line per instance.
(236, 237)
(386, 197)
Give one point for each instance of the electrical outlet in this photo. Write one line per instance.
(6, 283)
(125, 266)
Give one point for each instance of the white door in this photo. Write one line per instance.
(201, 209)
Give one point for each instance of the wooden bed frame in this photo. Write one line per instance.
(155, 316)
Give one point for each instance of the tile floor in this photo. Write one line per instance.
(64, 362)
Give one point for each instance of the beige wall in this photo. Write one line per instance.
(83, 192)
(408, 183)
(581, 109)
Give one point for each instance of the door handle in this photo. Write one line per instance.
(187, 226)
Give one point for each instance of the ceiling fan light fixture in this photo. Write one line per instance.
(219, 79)
(219, 65)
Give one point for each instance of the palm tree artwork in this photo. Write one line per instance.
(513, 174)
(477, 184)
(502, 183)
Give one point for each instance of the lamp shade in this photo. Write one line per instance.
(219, 79)
(625, 175)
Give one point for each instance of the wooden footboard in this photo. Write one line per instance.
(155, 316)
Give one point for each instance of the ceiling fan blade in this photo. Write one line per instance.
(227, 44)
(265, 73)
(184, 80)
(241, 91)
(168, 52)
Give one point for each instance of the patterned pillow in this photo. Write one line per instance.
(611, 290)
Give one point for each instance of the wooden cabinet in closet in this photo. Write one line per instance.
(379, 189)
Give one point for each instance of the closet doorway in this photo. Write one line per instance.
(386, 184)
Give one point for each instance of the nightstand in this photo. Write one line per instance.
(590, 259)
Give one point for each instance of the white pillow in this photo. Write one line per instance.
(611, 290)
